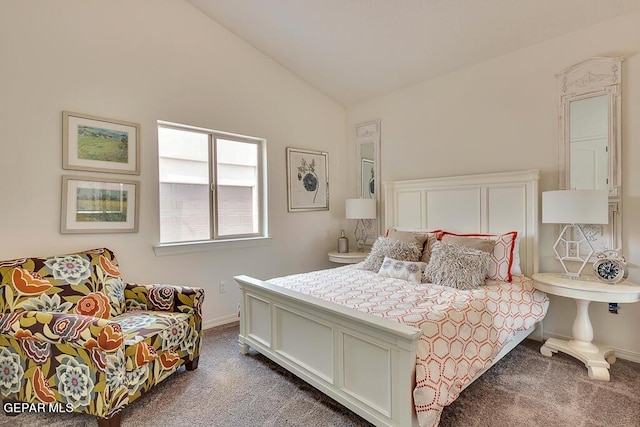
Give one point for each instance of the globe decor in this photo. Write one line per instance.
(307, 180)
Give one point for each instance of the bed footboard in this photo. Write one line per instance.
(364, 362)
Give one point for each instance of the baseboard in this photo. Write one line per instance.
(537, 334)
(212, 323)
(620, 353)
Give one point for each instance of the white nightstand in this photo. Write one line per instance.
(347, 257)
(597, 359)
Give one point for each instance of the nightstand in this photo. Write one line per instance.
(348, 257)
(583, 290)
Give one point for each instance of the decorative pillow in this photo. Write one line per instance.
(424, 238)
(405, 270)
(456, 266)
(407, 236)
(484, 245)
(396, 249)
(502, 255)
(515, 266)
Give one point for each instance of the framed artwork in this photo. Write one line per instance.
(99, 205)
(367, 179)
(91, 143)
(307, 180)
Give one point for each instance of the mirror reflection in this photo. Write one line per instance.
(588, 142)
(367, 171)
(367, 167)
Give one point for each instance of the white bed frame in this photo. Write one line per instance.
(365, 362)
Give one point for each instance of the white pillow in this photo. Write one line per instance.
(405, 270)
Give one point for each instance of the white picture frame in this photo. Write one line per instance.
(307, 180)
(98, 144)
(99, 205)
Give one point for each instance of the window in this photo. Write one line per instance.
(211, 185)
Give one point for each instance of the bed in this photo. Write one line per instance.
(395, 367)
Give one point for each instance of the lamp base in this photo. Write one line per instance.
(361, 234)
(572, 239)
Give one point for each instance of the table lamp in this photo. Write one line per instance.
(573, 208)
(364, 210)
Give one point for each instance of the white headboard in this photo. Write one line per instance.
(487, 203)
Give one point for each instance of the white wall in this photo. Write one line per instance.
(143, 61)
(501, 115)
(148, 60)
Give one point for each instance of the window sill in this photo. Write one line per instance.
(165, 249)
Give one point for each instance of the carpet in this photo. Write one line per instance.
(231, 389)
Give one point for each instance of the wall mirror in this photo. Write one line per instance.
(590, 138)
(368, 168)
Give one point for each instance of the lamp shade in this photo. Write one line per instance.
(575, 207)
(361, 208)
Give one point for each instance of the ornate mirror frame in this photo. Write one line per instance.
(368, 168)
(591, 78)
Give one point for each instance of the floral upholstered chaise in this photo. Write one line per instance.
(73, 334)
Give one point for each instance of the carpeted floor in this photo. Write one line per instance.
(230, 389)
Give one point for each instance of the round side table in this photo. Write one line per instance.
(583, 290)
(348, 257)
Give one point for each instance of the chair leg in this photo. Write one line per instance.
(192, 365)
(114, 421)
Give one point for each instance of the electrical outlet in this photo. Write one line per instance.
(223, 286)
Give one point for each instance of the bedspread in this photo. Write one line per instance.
(463, 331)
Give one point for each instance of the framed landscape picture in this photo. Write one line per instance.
(91, 143)
(99, 205)
(307, 180)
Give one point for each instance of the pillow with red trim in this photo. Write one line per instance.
(515, 267)
(484, 245)
(501, 256)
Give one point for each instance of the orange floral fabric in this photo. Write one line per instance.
(42, 388)
(109, 267)
(72, 332)
(95, 304)
(29, 283)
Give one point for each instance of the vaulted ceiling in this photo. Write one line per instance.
(355, 50)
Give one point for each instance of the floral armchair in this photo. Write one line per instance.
(75, 336)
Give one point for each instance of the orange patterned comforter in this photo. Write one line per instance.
(463, 330)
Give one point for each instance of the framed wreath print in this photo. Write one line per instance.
(307, 180)
(99, 205)
(91, 143)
